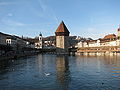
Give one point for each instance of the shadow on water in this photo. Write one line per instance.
(10, 65)
(3, 65)
(63, 72)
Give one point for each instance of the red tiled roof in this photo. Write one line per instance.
(62, 28)
(110, 36)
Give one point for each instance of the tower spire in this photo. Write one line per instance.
(40, 34)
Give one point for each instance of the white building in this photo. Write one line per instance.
(39, 42)
(108, 40)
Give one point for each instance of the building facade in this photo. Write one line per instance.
(108, 40)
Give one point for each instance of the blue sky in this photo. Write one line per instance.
(86, 18)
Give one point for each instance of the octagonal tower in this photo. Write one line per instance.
(62, 35)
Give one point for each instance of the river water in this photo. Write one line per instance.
(53, 72)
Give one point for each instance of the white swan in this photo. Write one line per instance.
(47, 74)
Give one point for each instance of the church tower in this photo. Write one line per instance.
(118, 31)
(40, 41)
(62, 35)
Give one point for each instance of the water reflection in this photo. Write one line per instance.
(109, 62)
(66, 73)
(63, 73)
(40, 62)
(114, 63)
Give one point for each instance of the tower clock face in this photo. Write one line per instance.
(40, 38)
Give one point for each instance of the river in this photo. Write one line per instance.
(57, 72)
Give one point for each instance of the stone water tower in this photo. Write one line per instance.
(62, 35)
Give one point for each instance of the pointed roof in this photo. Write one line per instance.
(40, 34)
(119, 28)
(62, 28)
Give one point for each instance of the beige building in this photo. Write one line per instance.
(62, 35)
